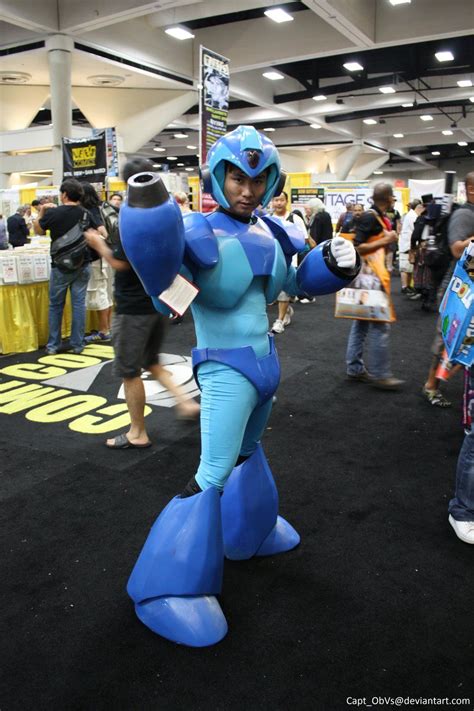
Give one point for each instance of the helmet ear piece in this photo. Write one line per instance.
(281, 183)
(206, 180)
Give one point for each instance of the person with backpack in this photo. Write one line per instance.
(70, 265)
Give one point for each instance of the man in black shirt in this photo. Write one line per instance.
(373, 223)
(17, 228)
(59, 220)
(137, 335)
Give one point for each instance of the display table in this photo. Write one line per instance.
(24, 317)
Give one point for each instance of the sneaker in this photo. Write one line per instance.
(407, 291)
(76, 351)
(97, 337)
(51, 351)
(307, 301)
(415, 296)
(278, 326)
(464, 530)
(387, 383)
(363, 377)
(288, 315)
(435, 397)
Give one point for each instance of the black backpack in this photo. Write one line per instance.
(70, 251)
(438, 253)
(111, 222)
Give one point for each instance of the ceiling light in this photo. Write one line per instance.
(269, 129)
(400, 2)
(179, 33)
(191, 148)
(42, 108)
(399, 135)
(445, 56)
(370, 122)
(471, 99)
(378, 172)
(273, 75)
(472, 151)
(180, 165)
(462, 143)
(278, 15)
(172, 158)
(319, 97)
(464, 82)
(448, 132)
(387, 89)
(159, 149)
(408, 105)
(315, 125)
(353, 66)
(189, 169)
(435, 153)
(157, 165)
(181, 135)
(426, 117)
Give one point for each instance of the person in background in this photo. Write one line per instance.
(345, 218)
(319, 221)
(183, 201)
(59, 220)
(396, 222)
(350, 227)
(137, 334)
(281, 210)
(3, 234)
(99, 292)
(17, 228)
(416, 208)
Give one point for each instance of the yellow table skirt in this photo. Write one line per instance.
(24, 317)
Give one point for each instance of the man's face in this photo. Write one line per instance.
(116, 201)
(243, 193)
(357, 211)
(280, 205)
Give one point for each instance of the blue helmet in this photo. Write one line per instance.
(248, 150)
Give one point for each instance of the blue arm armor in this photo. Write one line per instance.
(289, 236)
(200, 241)
(153, 240)
(319, 274)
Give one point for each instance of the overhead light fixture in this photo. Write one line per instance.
(273, 76)
(181, 135)
(189, 169)
(462, 143)
(387, 89)
(408, 105)
(447, 132)
(353, 67)
(278, 15)
(315, 125)
(42, 108)
(191, 148)
(471, 99)
(172, 158)
(400, 2)
(472, 151)
(157, 165)
(378, 172)
(464, 82)
(269, 129)
(319, 97)
(179, 33)
(370, 122)
(180, 165)
(399, 135)
(426, 117)
(159, 149)
(445, 56)
(435, 153)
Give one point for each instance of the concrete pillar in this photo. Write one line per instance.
(60, 48)
(367, 163)
(342, 160)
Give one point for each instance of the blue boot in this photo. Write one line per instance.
(179, 570)
(250, 521)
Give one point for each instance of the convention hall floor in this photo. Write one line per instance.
(376, 601)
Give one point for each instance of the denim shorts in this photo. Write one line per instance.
(137, 340)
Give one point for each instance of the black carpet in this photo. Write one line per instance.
(376, 601)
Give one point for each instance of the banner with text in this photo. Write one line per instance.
(111, 150)
(85, 158)
(213, 106)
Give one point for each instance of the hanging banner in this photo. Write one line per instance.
(111, 150)
(301, 196)
(213, 106)
(85, 158)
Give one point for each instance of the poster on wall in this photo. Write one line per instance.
(110, 149)
(85, 158)
(337, 195)
(213, 106)
(301, 196)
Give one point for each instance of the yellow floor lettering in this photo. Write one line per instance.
(69, 360)
(32, 371)
(93, 424)
(65, 409)
(28, 396)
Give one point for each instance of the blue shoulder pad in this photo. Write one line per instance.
(288, 235)
(200, 241)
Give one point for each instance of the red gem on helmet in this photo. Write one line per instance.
(252, 158)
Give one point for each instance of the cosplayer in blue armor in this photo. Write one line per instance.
(239, 263)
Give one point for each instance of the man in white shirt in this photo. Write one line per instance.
(404, 241)
(281, 210)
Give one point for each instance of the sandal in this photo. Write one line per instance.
(122, 442)
(436, 398)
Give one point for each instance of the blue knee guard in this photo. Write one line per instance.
(250, 521)
(179, 570)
